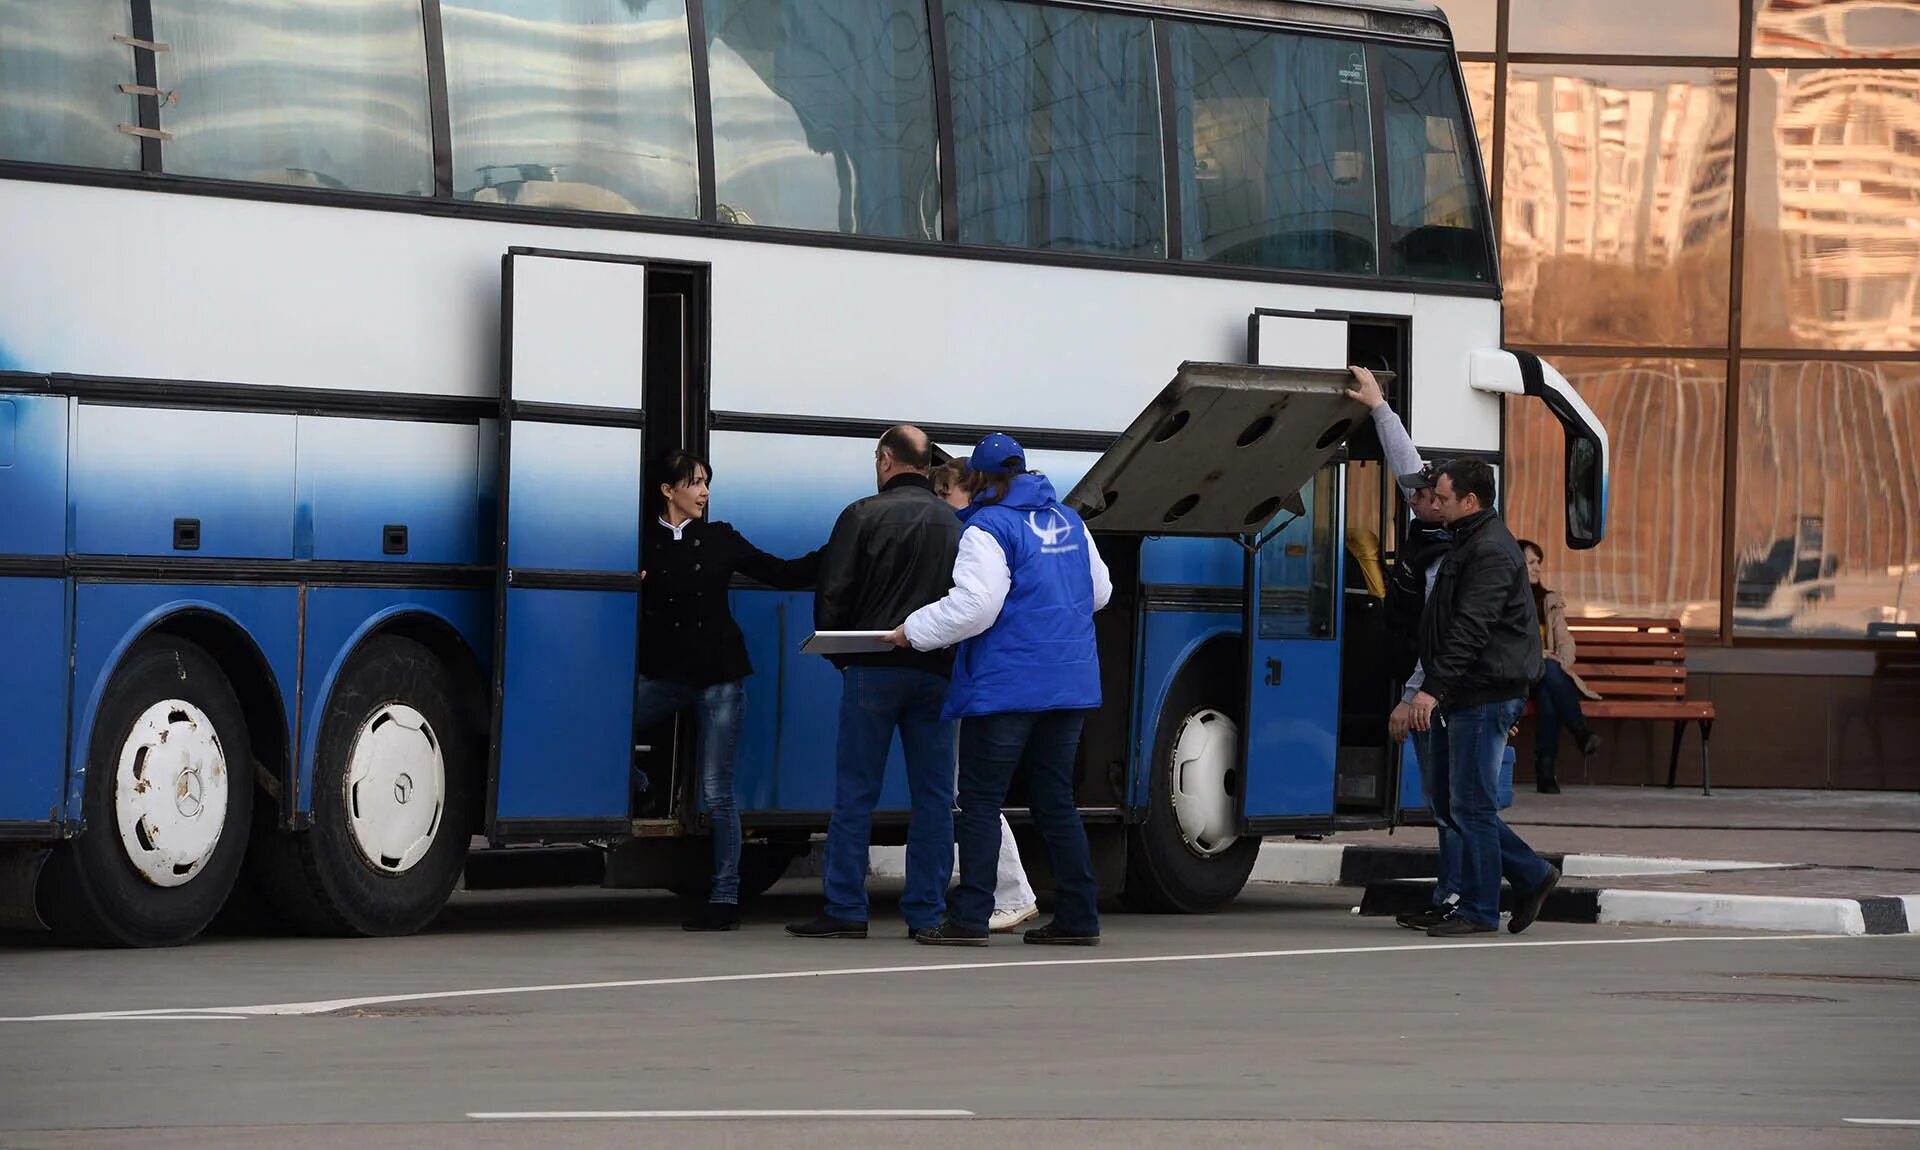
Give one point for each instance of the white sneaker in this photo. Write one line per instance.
(1010, 918)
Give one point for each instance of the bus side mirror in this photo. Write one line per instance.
(1523, 373)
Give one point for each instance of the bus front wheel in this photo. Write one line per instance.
(1187, 857)
(167, 801)
(393, 783)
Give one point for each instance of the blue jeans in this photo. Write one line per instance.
(718, 710)
(1557, 702)
(874, 701)
(991, 746)
(1466, 747)
(1448, 886)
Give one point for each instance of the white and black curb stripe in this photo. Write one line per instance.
(1787, 913)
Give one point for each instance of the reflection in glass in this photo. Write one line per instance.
(1275, 147)
(1296, 565)
(823, 115)
(1666, 422)
(1625, 27)
(1827, 523)
(1438, 210)
(1833, 210)
(582, 104)
(1836, 28)
(59, 68)
(1617, 204)
(1056, 125)
(1481, 80)
(1474, 23)
(319, 95)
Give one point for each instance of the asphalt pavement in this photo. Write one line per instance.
(585, 1018)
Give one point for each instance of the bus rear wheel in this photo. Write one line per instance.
(167, 801)
(1187, 857)
(393, 784)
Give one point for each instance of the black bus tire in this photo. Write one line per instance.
(170, 734)
(1164, 874)
(385, 849)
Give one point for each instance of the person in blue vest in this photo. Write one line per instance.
(1026, 583)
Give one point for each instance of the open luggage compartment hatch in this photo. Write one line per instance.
(1219, 452)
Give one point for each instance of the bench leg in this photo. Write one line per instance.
(1673, 761)
(1706, 756)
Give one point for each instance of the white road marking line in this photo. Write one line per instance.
(576, 1115)
(328, 1006)
(1883, 1121)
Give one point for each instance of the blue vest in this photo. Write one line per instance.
(1039, 655)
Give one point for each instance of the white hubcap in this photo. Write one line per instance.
(396, 787)
(1205, 780)
(170, 792)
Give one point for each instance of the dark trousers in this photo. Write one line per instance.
(991, 747)
(874, 702)
(1465, 747)
(1556, 704)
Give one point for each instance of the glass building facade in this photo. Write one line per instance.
(1709, 220)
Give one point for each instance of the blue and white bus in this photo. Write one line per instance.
(333, 338)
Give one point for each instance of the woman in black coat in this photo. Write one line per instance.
(692, 654)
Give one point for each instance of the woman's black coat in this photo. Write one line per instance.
(687, 632)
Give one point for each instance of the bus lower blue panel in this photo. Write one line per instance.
(33, 681)
(337, 618)
(1168, 640)
(1292, 737)
(108, 617)
(33, 475)
(566, 711)
(789, 746)
(1192, 562)
(574, 497)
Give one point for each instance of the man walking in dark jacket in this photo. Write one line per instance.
(1480, 650)
(889, 555)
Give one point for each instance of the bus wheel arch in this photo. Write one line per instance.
(1183, 857)
(168, 790)
(397, 772)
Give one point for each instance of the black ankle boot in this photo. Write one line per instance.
(1544, 780)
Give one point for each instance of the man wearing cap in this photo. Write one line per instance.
(1408, 585)
(888, 555)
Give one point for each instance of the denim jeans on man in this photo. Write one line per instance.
(718, 711)
(1448, 887)
(1466, 746)
(991, 747)
(1557, 703)
(874, 701)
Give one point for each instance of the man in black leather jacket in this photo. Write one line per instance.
(889, 555)
(1480, 649)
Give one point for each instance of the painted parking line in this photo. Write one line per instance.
(589, 1115)
(330, 1005)
(1883, 1121)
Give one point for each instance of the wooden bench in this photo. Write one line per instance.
(1638, 667)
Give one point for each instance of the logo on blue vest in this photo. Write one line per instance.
(1050, 531)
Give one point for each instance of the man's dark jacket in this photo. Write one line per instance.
(889, 555)
(1479, 635)
(1425, 544)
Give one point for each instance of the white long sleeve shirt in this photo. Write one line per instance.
(981, 580)
(1403, 459)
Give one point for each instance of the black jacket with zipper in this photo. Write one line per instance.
(1479, 634)
(687, 632)
(889, 555)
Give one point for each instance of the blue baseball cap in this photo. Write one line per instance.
(998, 454)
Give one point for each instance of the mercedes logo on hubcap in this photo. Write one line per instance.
(403, 789)
(187, 794)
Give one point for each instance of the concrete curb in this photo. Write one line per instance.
(1400, 878)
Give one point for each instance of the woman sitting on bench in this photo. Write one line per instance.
(1556, 697)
